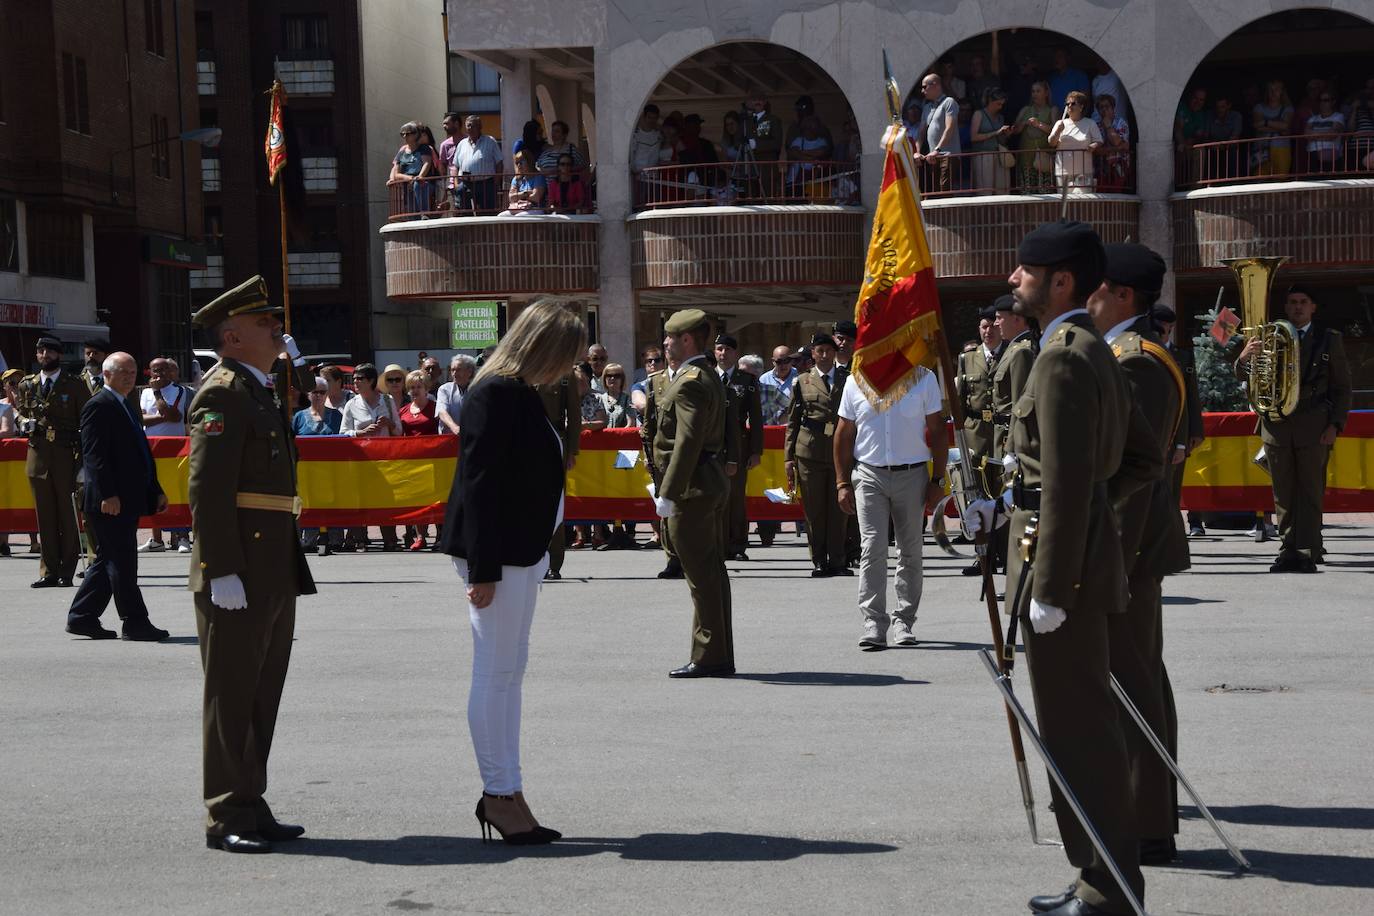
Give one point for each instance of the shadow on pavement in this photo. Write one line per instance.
(1286, 816)
(649, 847)
(940, 645)
(1188, 599)
(827, 679)
(1316, 869)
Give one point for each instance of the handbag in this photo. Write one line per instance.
(1005, 157)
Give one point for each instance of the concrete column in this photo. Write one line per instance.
(617, 306)
(517, 102)
(1154, 183)
(569, 111)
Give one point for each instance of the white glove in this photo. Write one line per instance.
(983, 515)
(1046, 618)
(665, 507)
(292, 350)
(1010, 463)
(227, 592)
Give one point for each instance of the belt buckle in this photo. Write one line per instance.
(50, 434)
(296, 506)
(987, 416)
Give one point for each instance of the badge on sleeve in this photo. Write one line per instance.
(212, 424)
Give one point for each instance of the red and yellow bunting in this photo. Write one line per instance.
(406, 481)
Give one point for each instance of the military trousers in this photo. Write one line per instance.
(1081, 725)
(737, 514)
(245, 654)
(58, 532)
(1137, 661)
(694, 531)
(1299, 473)
(826, 523)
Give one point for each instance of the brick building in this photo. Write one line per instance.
(353, 72)
(99, 196)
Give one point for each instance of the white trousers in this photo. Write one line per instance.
(881, 495)
(500, 651)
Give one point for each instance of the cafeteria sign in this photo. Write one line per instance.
(474, 325)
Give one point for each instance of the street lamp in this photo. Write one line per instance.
(205, 136)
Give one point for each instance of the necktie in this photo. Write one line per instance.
(47, 387)
(1302, 335)
(826, 379)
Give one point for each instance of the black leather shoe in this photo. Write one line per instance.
(841, 571)
(671, 571)
(973, 569)
(239, 842)
(821, 573)
(738, 555)
(1076, 906)
(1158, 852)
(692, 669)
(1286, 562)
(277, 832)
(91, 630)
(552, 575)
(144, 632)
(1046, 902)
(48, 582)
(1305, 565)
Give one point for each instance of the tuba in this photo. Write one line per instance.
(1273, 382)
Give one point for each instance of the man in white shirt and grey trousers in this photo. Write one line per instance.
(880, 472)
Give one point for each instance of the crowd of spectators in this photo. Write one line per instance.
(974, 129)
(1259, 131)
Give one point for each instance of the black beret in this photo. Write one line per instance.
(820, 337)
(1056, 243)
(987, 313)
(97, 343)
(50, 341)
(1004, 303)
(1134, 265)
(1163, 313)
(726, 340)
(848, 328)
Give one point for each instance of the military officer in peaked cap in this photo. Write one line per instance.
(689, 442)
(1153, 541)
(1068, 434)
(49, 413)
(247, 565)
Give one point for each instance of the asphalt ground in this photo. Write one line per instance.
(822, 779)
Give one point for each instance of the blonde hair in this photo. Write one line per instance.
(613, 369)
(544, 340)
(417, 377)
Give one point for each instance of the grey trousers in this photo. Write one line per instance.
(899, 496)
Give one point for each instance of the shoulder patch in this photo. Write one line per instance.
(212, 423)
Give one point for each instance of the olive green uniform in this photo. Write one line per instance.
(744, 388)
(1297, 459)
(811, 423)
(653, 393)
(1069, 430)
(564, 410)
(241, 448)
(1153, 546)
(1008, 381)
(974, 384)
(688, 441)
(1191, 429)
(54, 459)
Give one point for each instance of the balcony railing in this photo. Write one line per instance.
(746, 182)
(1106, 170)
(487, 195)
(1281, 158)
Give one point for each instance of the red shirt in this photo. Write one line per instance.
(423, 423)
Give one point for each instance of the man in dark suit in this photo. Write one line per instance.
(744, 386)
(121, 485)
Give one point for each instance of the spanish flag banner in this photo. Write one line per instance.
(899, 309)
(275, 146)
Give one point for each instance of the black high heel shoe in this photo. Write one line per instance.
(536, 837)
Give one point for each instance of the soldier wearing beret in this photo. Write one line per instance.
(247, 565)
(1068, 433)
(688, 444)
(1190, 431)
(1153, 541)
(49, 413)
(810, 457)
(1298, 446)
(93, 353)
(974, 385)
(743, 388)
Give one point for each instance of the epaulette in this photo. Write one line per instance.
(1128, 342)
(692, 372)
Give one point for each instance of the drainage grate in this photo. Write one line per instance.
(1242, 688)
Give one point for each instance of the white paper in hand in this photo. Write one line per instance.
(778, 495)
(627, 458)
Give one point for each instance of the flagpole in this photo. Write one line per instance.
(896, 137)
(285, 264)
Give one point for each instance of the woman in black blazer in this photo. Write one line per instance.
(506, 503)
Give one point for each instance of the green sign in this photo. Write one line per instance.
(474, 325)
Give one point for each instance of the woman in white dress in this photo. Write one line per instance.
(1075, 138)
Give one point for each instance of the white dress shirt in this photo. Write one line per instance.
(449, 401)
(175, 396)
(898, 434)
(1120, 329)
(357, 413)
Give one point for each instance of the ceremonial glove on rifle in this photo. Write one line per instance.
(1046, 618)
(665, 507)
(292, 350)
(987, 514)
(227, 592)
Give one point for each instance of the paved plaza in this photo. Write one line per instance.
(821, 780)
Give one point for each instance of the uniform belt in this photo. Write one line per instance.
(816, 426)
(269, 502)
(1002, 419)
(1024, 497)
(706, 456)
(894, 467)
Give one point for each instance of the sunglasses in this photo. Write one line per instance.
(614, 375)
(409, 133)
(396, 379)
(785, 359)
(653, 359)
